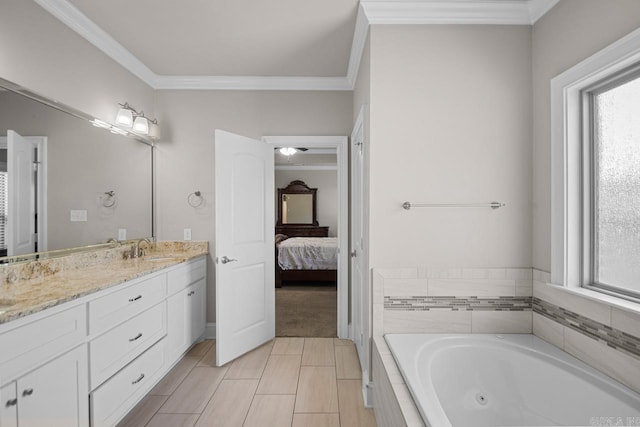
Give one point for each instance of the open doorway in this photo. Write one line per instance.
(311, 228)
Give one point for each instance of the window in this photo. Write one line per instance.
(595, 125)
(613, 109)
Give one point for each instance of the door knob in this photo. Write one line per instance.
(353, 253)
(226, 260)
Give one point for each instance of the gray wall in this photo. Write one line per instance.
(450, 122)
(185, 155)
(569, 33)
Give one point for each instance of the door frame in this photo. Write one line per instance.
(341, 145)
(40, 143)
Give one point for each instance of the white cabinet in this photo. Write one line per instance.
(186, 308)
(53, 395)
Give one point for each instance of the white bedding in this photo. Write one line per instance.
(308, 253)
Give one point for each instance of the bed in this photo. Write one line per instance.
(306, 259)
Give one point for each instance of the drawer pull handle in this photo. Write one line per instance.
(138, 380)
(136, 337)
(191, 293)
(27, 392)
(11, 402)
(135, 299)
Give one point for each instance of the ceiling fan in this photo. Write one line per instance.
(289, 151)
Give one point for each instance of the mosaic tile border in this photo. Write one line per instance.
(614, 338)
(472, 303)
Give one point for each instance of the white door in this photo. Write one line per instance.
(20, 231)
(245, 257)
(357, 237)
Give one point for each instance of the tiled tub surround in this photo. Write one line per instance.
(437, 300)
(601, 335)
(452, 300)
(458, 300)
(30, 287)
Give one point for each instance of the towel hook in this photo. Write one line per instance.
(195, 199)
(109, 199)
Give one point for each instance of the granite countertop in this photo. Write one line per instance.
(38, 291)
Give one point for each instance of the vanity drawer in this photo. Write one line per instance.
(115, 397)
(111, 351)
(187, 274)
(111, 309)
(32, 343)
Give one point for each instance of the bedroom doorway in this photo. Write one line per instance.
(311, 227)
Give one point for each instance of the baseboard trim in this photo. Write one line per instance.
(210, 331)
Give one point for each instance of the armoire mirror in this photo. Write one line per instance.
(297, 204)
(89, 184)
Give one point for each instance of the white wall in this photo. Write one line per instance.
(569, 33)
(185, 155)
(326, 181)
(450, 122)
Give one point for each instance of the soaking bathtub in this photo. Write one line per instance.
(507, 380)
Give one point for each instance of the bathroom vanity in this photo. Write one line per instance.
(83, 345)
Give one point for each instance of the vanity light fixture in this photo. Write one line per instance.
(125, 115)
(288, 151)
(128, 117)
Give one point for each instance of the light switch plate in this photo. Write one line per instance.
(78, 215)
(187, 234)
(122, 234)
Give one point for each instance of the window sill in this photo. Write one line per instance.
(600, 297)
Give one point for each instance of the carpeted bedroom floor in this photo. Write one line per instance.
(306, 311)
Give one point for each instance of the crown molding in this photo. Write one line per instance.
(357, 46)
(252, 83)
(78, 22)
(484, 12)
(538, 8)
(488, 12)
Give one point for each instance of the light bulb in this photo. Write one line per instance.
(141, 125)
(125, 117)
(288, 151)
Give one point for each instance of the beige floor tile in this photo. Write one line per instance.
(318, 352)
(316, 420)
(143, 411)
(270, 410)
(229, 404)
(288, 346)
(201, 348)
(338, 341)
(280, 375)
(195, 391)
(352, 410)
(347, 363)
(251, 365)
(209, 358)
(176, 375)
(317, 390)
(173, 420)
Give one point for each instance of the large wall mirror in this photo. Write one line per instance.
(297, 204)
(67, 181)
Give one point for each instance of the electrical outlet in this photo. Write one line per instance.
(187, 234)
(122, 234)
(78, 215)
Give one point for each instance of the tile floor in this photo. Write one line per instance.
(291, 382)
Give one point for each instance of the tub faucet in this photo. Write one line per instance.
(136, 250)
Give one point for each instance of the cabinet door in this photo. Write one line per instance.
(178, 334)
(56, 393)
(197, 304)
(9, 406)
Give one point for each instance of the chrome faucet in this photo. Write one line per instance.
(136, 250)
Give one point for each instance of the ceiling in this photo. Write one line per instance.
(231, 37)
(260, 44)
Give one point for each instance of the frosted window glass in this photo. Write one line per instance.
(617, 187)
